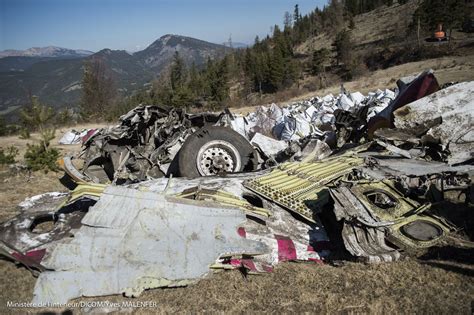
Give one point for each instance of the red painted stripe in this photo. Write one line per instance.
(249, 264)
(30, 258)
(89, 134)
(286, 248)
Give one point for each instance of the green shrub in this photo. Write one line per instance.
(24, 133)
(41, 157)
(7, 129)
(65, 117)
(7, 156)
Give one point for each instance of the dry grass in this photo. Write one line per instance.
(370, 28)
(402, 287)
(14, 140)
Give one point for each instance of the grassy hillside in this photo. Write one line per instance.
(384, 26)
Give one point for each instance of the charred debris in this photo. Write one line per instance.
(165, 196)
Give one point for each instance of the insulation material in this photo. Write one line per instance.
(345, 102)
(269, 146)
(357, 97)
(73, 136)
(242, 125)
(296, 127)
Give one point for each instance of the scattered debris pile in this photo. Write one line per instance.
(152, 141)
(349, 177)
(74, 136)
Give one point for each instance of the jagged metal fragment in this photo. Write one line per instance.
(453, 108)
(223, 198)
(310, 240)
(375, 212)
(412, 167)
(363, 241)
(300, 187)
(134, 240)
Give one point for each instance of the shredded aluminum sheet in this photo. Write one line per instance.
(455, 106)
(134, 240)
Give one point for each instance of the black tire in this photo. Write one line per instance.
(68, 182)
(190, 149)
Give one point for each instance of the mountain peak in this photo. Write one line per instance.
(110, 52)
(179, 41)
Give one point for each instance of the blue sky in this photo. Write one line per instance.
(133, 25)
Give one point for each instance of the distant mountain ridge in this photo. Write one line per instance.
(56, 79)
(236, 45)
(49, 51)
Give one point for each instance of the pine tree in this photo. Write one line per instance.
(195, 82)
(40, 117)
(260, 71)
(343, 47)
(219, 82)
(319, 58)
(277, 70)
(287, 21)
(37, 116)
(296, 15)
(98, 92)
(177, 72)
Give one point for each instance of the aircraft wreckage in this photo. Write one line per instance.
(165, 197)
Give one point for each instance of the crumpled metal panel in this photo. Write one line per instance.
(422, 85)
(225, 199)
(310, 240)
(142, 146)
(362, 241)
(368, 244)
(453, 107)
(18, 232)
(133, 240)
(412, 167)
(373, 212)
(347, 206)
(399, 206)
(300, 187)
(267, 145)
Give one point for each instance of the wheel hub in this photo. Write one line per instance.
(217, 157)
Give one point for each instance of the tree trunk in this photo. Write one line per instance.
(449, 37)
(418, 33)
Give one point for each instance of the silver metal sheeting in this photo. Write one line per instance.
(133, 240)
